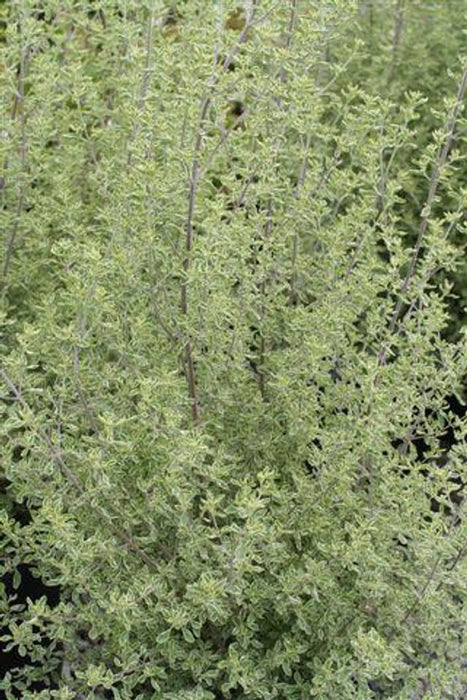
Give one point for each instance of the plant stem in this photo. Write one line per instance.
(432, 190)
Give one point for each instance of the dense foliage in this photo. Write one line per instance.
(232, 357)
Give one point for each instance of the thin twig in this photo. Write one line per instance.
(299, 186)
(433, 188)
(289, 33)
(119, 532)
(223, 140)
(335, 160)
(18, 104)
(143, 86)
(433, 571)
(195, 176)
(269, 217)
(430, 274)
(429, 579)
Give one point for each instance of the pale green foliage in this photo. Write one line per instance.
(217, 358)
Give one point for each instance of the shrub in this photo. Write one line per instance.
(225, 375)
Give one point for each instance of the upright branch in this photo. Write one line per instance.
(299, 186)
(432, 190)
(269, 214)
(194, 180)
(18, 109)
(144, 86)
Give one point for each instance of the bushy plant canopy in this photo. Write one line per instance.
(229, 356)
